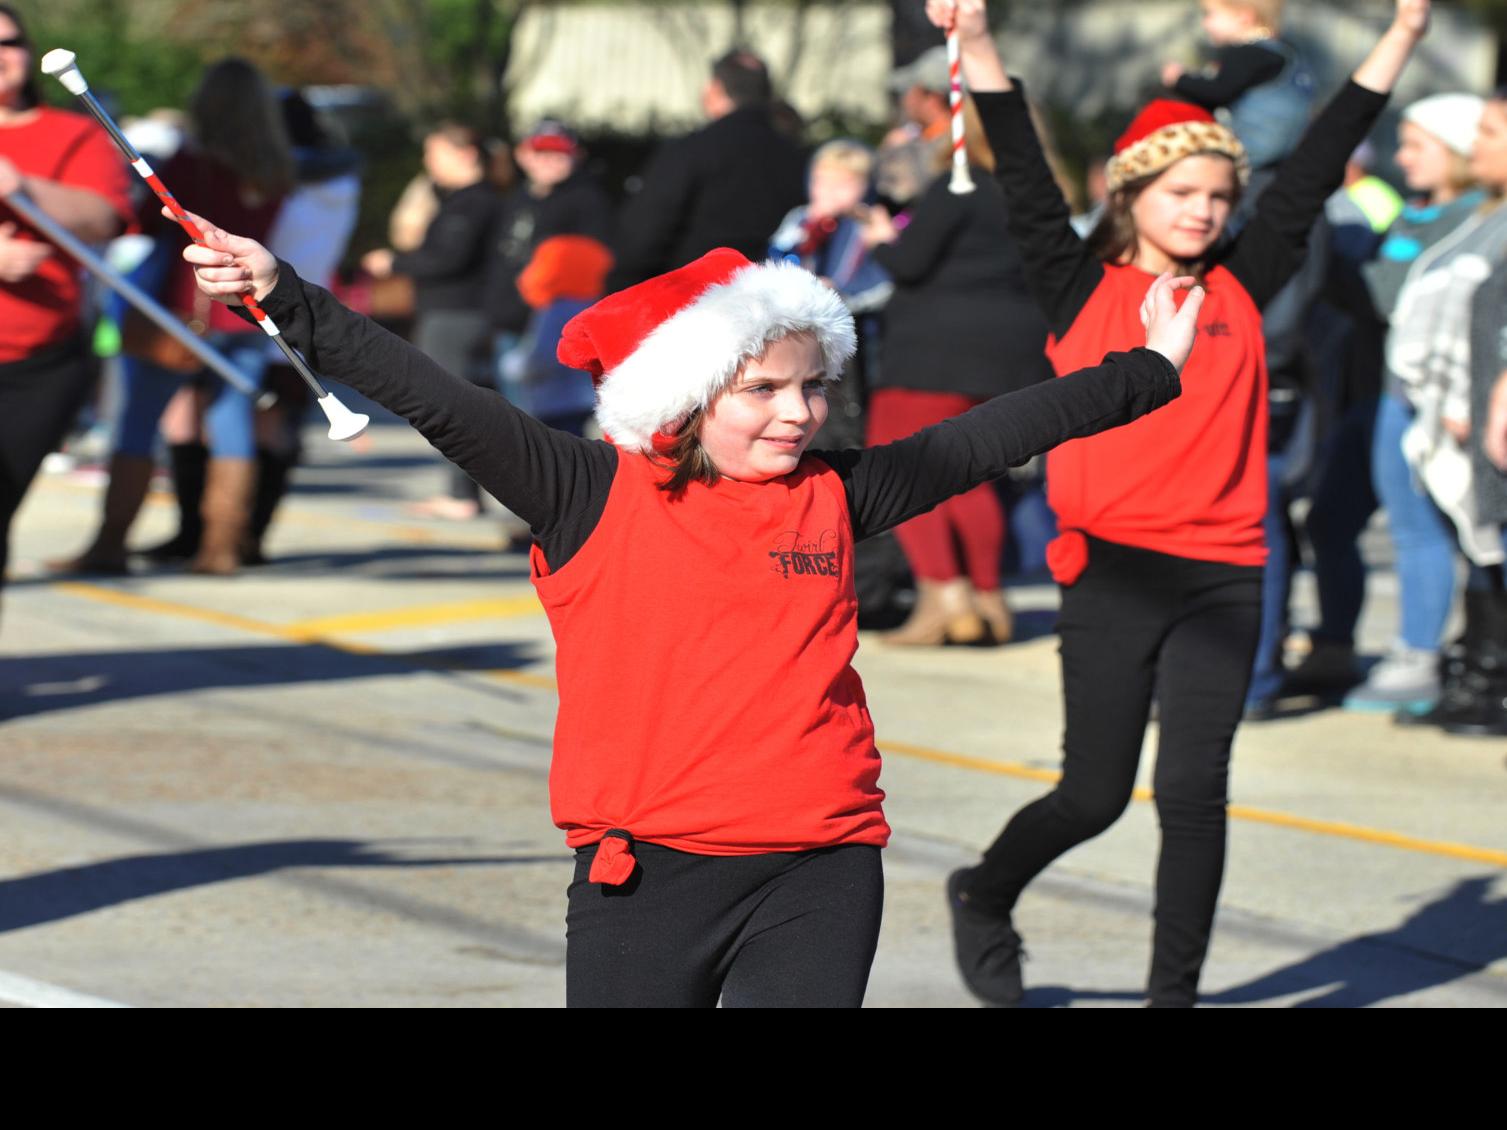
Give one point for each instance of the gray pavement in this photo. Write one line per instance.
(324, 783)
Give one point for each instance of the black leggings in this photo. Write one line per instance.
(794, 929)
(39, 398)
(1137, 622)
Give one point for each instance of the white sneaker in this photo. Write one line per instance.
(1406, 679)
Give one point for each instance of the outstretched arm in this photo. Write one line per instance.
(1061, 272)
(887, 485)
(549, 479)
(1270, 249)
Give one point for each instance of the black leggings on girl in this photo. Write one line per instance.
(1138, 622)
(794, 929)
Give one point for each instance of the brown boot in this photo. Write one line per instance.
(926, 626)
(995, 612)
(130, 476)
(964, 625)
(228, 486)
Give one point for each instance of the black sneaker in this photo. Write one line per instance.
(988, 948)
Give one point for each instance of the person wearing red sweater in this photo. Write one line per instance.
(714, 759)
(67, 167)
(1161, 549)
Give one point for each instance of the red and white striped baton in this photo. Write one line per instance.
(962, 179)
(63, 66)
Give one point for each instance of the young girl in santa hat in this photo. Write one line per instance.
(1161, 549)
(714, 761)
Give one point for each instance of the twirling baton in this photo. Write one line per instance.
(62, 65)
(212, 359)
(962, 179)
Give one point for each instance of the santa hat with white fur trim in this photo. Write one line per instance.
(665, 347)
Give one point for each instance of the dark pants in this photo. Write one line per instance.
(794, 930)
(1343, 502)
(457, 341)
(39, 398)
(1137, 622)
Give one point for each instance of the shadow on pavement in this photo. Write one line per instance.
(1452, 937)
(396, 563)
(49, 896)
(387, 562)
(1455, 936)
(45, 684)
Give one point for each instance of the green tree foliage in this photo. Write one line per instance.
(135, 75)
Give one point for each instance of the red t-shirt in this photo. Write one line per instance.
(43, 309)
(707, 696)
(1187, 480)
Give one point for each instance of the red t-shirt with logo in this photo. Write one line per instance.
(43, 309)
(1191, 479)
(739, 597)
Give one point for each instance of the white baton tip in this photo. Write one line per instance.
(62, 65)
(344, 424)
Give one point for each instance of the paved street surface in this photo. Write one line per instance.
(324, 783)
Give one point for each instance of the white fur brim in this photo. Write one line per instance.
(691, 356)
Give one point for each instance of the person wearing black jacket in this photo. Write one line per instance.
(557, 197)
(450, 271)
(727, 185)
(960, 327)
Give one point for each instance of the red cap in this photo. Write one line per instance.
(1158, 115)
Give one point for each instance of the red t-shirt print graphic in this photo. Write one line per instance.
(796, 556)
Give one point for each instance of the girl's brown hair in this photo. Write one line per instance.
(686, 460)
(236, 120)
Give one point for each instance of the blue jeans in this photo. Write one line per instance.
(146, 388)
(1423, 537)
(1276, 582)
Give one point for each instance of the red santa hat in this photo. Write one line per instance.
(1163, 133)
(664, 348)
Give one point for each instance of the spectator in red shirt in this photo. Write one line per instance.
(67, 166)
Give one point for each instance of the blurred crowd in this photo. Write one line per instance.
(1385, 355)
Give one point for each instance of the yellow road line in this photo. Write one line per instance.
(420, 616)
(977, 764)
(524, 679)
(102, 595)
(1370, 835)
(1332, 828)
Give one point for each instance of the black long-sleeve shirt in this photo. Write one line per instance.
(1063, 273)
(559, 483)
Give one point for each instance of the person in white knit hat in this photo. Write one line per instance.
(1434, 143)
(714, 760)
